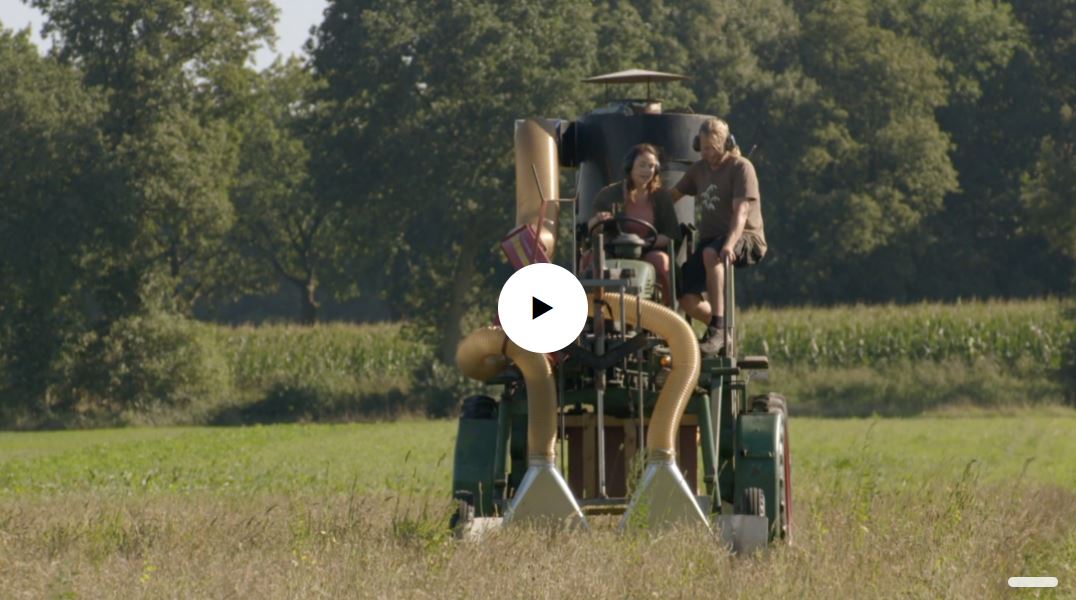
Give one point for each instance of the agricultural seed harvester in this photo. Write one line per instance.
(616, 422)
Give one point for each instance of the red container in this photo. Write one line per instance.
(522, 248)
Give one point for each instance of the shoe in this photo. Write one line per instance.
(713, 342)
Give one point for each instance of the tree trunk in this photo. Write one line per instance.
(461, 287)
(308, 298)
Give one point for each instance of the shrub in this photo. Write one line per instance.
(147, 360)
(440, 387)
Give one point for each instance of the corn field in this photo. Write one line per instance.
(1031, 333)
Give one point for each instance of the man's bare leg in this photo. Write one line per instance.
(696, 307)
(713, 342)
(715, 282)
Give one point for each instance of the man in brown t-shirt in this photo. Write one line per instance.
(726, 192)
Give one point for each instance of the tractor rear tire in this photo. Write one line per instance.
(753, 502)
(771, 403)
(776, 404)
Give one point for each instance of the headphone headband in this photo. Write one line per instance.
(730, 140)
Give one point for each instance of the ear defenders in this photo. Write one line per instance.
(730, 143)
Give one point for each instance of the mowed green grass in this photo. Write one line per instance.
(305, 459)
(918, 507)
(416, 456)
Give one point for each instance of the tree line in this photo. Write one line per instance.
(911, 149)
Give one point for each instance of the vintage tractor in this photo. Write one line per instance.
(617, 423)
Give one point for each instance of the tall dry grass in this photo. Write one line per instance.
(854, 539)
(912, 508)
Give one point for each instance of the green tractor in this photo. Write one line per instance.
(618, 422)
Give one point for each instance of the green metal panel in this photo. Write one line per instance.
(720, 387)
(756, 460)
(701, 404)
(518, 443)
(644, 274)
(500, 458)
(472, 469)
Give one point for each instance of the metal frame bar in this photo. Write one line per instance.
(561, 407)
(675, 303)
(639, 377)
(730, 310)
(598, 249)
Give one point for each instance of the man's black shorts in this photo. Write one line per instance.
(692, 278)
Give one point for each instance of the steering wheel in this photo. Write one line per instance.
(618, 223)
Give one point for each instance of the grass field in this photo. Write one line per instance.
(920, 507)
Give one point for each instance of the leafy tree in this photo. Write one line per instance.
(851, 158)
(972, 41)
(995, 119)
(1047, 194)
(635, 35)
(1048, 185)
(168, 71)
(50, 157)
(181, 209)
(150, 56)
(282, 221)
(423, 101)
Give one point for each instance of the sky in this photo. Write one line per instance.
(292, 28)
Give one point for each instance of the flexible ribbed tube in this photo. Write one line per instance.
(480, 357)
(684, 376)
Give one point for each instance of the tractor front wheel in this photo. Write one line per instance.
(464, 515)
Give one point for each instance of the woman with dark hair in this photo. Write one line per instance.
(640, 195)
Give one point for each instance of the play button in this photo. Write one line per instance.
(542, 308)
(539, 308)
